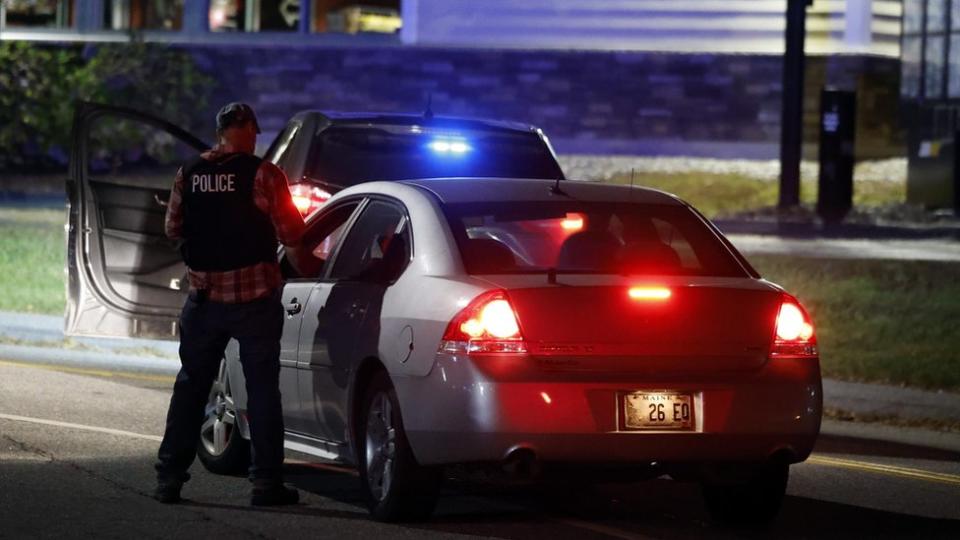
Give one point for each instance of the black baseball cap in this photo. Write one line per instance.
(236, 114)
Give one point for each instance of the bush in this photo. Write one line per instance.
(40, 83)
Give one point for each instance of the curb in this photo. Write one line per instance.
(853, 231)
(882, 400)
(90, 360)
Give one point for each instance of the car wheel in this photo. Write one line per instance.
(222, 448)
(753, 502)
(395, 486)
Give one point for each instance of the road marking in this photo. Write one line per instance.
(892, 470)
(83, 427)
(86, 371)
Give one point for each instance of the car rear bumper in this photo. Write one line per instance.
(477, 410)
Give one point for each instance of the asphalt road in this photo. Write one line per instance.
(76, 454)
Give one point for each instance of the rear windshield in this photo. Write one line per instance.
(347, 155)
(587, 238)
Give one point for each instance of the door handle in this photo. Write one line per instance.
(293, 308)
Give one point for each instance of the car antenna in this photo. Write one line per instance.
(428, 113)
(555, 188)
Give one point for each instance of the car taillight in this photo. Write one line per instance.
(794, 336)
(308, 199)
(488, 324)
(649, 293)
(573, 222)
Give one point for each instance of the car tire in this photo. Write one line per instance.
(222, 448)
(754, 502)
(395, 487)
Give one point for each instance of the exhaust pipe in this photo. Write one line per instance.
(521, 464)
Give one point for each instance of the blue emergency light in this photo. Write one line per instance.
(445, 146)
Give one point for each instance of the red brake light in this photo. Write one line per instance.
(794, 335)
(488, 324)
(650, 293)
(573, 222)
(308, 199)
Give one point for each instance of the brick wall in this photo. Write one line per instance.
(639, 103)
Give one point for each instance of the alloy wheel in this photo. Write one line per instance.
(221, 416)
(381, 447)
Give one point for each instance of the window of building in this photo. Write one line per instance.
(910, 66)
(343, 16)
(934, 55)
(933, 67)
(953, 68)
(911, 61)
(36, 13)
(354, 17)
(912, 16)
(143, 14)
(254, 15)
(930, 50)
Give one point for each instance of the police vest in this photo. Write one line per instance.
(223, 229)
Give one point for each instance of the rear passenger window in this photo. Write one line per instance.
(672, 237)
(377, 247)
(587, 238)
(310, 258)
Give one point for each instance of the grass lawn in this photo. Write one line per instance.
(882, 321)
(32, 255)
(718, 195)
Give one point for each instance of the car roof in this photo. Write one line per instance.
(396, 119)
(466, 190)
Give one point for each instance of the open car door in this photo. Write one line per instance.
(125, 278)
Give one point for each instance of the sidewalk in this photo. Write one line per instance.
(890, 230)
(943, 250)
(40, 340)
(908, 241)
(883, 400)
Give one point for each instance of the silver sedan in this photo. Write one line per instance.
(531, 325)
(534, 325)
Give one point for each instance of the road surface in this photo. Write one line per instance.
(77, 448)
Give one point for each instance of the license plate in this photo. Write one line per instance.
(658, 410)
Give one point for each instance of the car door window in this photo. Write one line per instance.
(377, 247)
(130, 167)
(310, 258)
(126, 278)
(278, 150)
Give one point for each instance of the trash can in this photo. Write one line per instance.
(838, 110)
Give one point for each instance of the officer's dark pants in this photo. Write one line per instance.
(205, 329)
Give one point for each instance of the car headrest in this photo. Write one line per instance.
(485, 255)
(588, 250)
(650, 257)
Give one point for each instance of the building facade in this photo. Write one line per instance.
(641, 77)
(930, 92)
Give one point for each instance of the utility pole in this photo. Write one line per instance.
(791, 122)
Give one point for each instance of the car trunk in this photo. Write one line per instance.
(705, 326)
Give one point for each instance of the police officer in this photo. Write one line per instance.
(229, 208)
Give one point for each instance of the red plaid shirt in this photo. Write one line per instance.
(272, 197)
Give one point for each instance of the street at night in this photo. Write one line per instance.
(550, 269)
(78, 463)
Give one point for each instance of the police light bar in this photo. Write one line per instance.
(445, 146)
